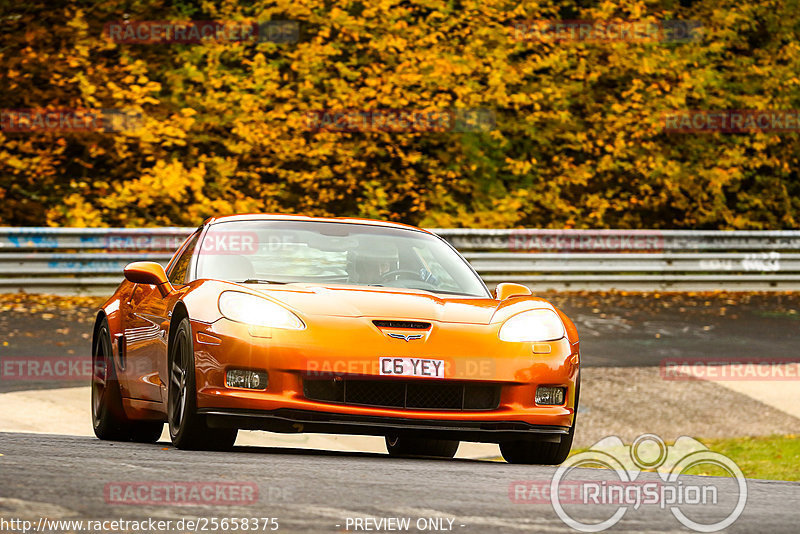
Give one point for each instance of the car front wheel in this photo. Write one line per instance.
(187, 428)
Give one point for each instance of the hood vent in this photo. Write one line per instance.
(411, 325)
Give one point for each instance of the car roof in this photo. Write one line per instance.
(285, 217)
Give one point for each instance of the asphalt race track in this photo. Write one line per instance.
(313, 490)
(310, 491)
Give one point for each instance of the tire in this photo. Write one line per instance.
(146, 431)
(108, 416)
(188, 429)
(542, 452)
(407, 446)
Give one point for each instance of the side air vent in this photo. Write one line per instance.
(412, 325)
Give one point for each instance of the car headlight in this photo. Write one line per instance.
(533, 325)
(250, 309)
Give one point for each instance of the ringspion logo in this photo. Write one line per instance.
(626, 492)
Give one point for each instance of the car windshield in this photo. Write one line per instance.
(334, 253)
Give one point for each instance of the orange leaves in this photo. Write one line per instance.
(579, 139)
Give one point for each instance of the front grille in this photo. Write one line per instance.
(415, 394)
(412, 325)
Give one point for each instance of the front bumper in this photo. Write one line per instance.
(350, 348)
(287, 420)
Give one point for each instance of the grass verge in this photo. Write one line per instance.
(769, 457)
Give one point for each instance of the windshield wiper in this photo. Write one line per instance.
(260, 281)
(443, 292)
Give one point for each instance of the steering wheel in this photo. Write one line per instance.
(415, 274)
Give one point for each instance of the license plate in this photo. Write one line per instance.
(422, 367)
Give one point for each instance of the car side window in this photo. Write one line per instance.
(178, 273)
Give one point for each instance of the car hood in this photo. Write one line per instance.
(395, 303)
(390, 303)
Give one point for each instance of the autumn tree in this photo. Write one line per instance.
(579, 140)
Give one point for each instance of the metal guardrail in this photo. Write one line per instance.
(104, 239)
(90, 260)
(621, 240)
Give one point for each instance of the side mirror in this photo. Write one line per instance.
(150, 273)
(507, 290)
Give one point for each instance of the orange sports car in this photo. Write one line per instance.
(301, 324)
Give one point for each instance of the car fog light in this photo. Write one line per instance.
(549, 395)
(241, 378)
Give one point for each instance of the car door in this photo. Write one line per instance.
(147, 332)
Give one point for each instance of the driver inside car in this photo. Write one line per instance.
(371, 266)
